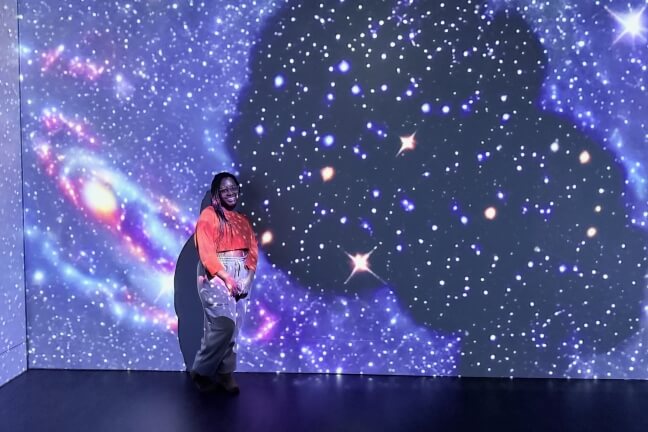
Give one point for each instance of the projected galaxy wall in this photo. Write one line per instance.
(13, 357)
(438, 188)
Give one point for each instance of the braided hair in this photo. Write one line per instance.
(216, 204)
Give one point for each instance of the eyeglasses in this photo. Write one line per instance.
(235, 190)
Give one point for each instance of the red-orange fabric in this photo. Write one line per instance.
(237, 234)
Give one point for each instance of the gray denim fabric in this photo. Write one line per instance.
(223, 318)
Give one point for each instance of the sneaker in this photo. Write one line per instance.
(202, 383)
(228, 383)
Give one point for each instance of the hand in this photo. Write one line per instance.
(231, 284)
(245, 286)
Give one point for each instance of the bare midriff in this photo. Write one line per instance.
(234, 253)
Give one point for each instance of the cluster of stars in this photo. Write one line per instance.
(471, 182)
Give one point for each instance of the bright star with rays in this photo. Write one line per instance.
(361, 264)
(407, 143)
(631, 22)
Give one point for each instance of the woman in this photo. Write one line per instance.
(228, 253)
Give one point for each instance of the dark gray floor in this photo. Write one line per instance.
(52, 400)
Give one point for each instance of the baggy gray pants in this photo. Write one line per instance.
(223, 318)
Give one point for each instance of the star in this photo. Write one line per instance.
(490, 213)
(408, 142)
(631, 22)
(327, 173)
(361, 264)
(266, 238)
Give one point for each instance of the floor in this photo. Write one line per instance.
(55, 400)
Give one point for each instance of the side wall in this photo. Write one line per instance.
(13, 353)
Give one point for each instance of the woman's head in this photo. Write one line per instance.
(225, 190)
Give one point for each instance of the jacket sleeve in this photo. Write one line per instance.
(206, 228)
(253, 249)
